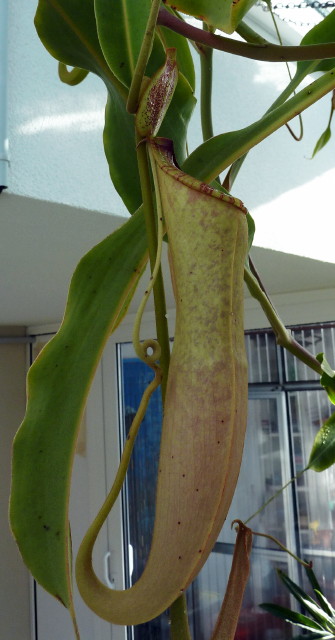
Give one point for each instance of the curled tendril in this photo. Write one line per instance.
(72, 77)
(149, 357)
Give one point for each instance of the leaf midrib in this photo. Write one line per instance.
(127, 36)
(100, 60)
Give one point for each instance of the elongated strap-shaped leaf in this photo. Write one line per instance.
(185, 64)
(226, 624)
(224, 14)
(219, 152)
(317, 612)
(206, 399)
(294, 618)
(121, 25)
(58, 384)
(120, 150)
(326, 606)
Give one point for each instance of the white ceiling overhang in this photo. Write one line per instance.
(41, 243)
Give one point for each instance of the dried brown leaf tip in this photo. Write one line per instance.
(226, 624)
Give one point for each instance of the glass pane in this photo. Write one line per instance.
(316, 339)
(264, 471)
(262, 357)
(315, 491)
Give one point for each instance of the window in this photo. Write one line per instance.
(286, 409)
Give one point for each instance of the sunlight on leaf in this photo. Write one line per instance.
(323, 451)
(328, 377)
(121, 27)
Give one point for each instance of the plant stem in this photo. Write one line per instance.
(179, 629)
(142, 61)
(266, 51)
(158, 289)
(206, 68)
(284, 337)
(282, 546)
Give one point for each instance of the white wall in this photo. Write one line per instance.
(55, 140)
(55, 143)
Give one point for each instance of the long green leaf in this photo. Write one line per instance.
(121, 26)
(306, 601)
(178, 115)
(325, 604)
(219, 152)
(292, 616)
(184, 58)
(296, 591)
(223, 15)
(119, 145)
(323, 451)
(58, 384)
(322, 635)
(315, 584)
